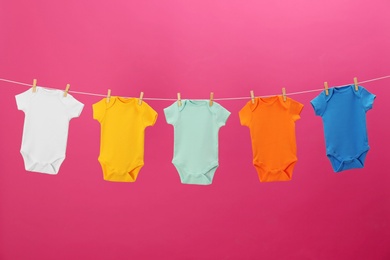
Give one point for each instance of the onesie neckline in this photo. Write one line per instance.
(196, 103)
(124, 100)
(51, 92)
(268, 100)
(342, 89)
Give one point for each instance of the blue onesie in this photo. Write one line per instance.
(196, 126)
(343, 114)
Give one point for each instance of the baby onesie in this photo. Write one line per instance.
(45, 132)
(343, 114)
(271, 123)
(196, 126)
(122, 124)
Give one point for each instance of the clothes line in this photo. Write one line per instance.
(217, 99)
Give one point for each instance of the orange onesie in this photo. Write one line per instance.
(271, 122)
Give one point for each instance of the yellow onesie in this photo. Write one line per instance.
(122, 123)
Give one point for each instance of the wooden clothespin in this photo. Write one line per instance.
(108, 96)
(253, 96)
(66, 90)
(284, 94)
(355, 82)
(326, 88)
(211, 98)
(178, 99)
(34, 87)
(141, 96)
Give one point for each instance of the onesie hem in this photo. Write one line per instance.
(356, 161)
(282, 174)
(199, 178)
(51, 168)
(110, 175)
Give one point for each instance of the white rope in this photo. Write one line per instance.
(172, 99)
(16, 82)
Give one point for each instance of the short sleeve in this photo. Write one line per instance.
(149, 116)
(171, 113)
(99, 110)
(23, 99)
(221, 114)
(295, 109)
(245, 114)
(367, 98)
(319, 104)
(73, 106)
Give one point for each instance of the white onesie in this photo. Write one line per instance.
(45, 132)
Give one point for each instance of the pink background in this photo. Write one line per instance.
(194, 47)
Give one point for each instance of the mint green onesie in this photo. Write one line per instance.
(196, 126)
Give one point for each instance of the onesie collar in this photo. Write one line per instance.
(183, 104)
(330, 94)
(283, 103)
(253, 106)
(111, 103)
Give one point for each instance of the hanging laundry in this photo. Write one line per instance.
(196, 125)
(45, 133)
(343, 112)
(271, 122)
(122, 122)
